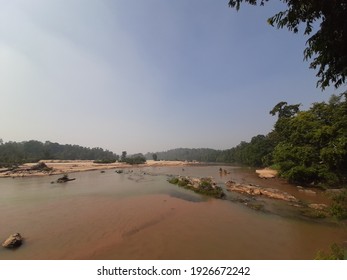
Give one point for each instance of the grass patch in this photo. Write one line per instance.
(336, 253)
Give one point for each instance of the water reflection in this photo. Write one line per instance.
(187, 196)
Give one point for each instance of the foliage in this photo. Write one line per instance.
(311, 146)
(183, 182)
(155, 157)
(205, 186)
(123, 156)
(205, 183)
(255, 153)
(135, 159)
(336, 253)
(327, 46)
(338, 209)
(33, 151)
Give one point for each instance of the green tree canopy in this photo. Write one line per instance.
(123, 156)
(327, 47)
(32, 151)
(311, 146)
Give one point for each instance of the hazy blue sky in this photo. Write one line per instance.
(146, 75)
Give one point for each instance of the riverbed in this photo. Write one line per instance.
(137, 214)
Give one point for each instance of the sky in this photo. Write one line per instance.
(146, 76)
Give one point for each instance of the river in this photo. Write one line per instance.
(139, 215)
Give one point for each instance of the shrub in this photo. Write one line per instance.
(135, 160)
(336, 253)
(183, 182)
(328, 177)
(205, 186)
(205, 183)
(301, 174)
(338, 208)
(173, 180)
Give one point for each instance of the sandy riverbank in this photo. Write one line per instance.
(68, 166)
(266, 173)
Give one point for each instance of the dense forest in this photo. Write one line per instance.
(32, 151)
(307, 147)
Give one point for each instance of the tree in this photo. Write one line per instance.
(328, 45)
(123, 156)
(285, 113)
(136, 159)
(311, 146)
(155, 157)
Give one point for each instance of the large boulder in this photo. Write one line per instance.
(13, 241)
(256, 190)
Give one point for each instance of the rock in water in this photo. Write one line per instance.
(13, 241)
(65, 179)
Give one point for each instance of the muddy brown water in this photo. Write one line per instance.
(139, 215)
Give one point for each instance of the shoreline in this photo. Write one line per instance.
(69, 166)
(266, 173)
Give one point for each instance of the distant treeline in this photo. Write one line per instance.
(32, 151)
(307, 147)
(203, 154)
(251, 154)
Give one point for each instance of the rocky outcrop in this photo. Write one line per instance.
(13, 241)
(199, 185)
(65, 179)
(257, 191)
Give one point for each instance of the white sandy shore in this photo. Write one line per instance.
(67, 166)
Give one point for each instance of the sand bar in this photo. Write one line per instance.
(266, 173)
(68, 166)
